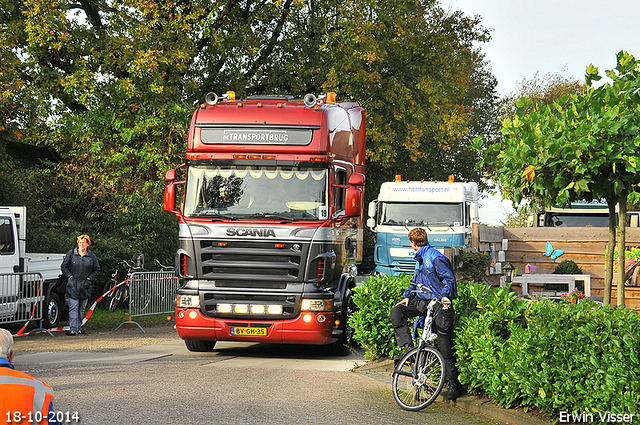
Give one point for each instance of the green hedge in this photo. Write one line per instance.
(553, 356)
(557, 357)
(374, 300)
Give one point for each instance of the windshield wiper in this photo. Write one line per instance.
(220, 217)
(269, 216)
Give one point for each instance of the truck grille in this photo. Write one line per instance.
(252, 261)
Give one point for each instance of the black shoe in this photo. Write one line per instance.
(454, 389)
(71, 333)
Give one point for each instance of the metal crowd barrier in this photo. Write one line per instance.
(21, 297)
(151, 293)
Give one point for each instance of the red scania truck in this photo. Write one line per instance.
(271, 220)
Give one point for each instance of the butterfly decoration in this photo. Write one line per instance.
(553, 253)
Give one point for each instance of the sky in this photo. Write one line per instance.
(548, 36)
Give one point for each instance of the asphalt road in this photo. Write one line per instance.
(237, 383)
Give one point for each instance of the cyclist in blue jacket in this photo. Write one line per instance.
(434, 271)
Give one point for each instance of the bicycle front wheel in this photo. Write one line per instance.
(120, 293)
(418, 378)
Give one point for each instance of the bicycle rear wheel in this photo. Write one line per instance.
(418, 378)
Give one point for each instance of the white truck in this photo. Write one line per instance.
(444, 209)
(19, 292)
(579, 214)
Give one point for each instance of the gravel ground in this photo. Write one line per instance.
(128, 336)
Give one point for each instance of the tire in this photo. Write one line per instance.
(119, 294)
(416, 393)
(344, 345)
(52, 311)
(199, 346)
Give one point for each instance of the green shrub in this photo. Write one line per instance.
(472, 265)
(562, 357)
(374, 300)
(567, 267)
(488, 319)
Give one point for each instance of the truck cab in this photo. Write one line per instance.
(444, 209)
(271, 220)
(17, 267)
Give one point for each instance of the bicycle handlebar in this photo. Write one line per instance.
(162, 266)
(424, 289)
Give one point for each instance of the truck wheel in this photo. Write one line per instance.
(344, 345)
(199, 346)
(52, 311)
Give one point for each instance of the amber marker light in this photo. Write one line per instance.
(331, 97)
(232, 96)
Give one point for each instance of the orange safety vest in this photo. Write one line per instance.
(21, 398)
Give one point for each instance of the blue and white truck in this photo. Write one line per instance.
(444, 209)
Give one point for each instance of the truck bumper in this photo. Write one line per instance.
(318, 328)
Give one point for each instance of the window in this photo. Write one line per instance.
(268, 193)
(6, 236)
(339, 193)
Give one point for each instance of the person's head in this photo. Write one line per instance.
(6, 345)
(418, 237)
(84, 239)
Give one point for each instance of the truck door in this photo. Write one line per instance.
(9, 264)
(9, 252)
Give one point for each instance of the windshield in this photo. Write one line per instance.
(270, 193)
(431, 214)
(577, 220)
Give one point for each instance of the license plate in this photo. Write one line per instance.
(249, 331)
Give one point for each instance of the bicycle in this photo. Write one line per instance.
(420, 374)
(116, 290)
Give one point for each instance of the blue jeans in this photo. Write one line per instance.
(76, 313)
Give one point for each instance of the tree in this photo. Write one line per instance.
(583, 146)
(111, 85)
(541, 90)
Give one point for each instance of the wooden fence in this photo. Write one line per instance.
(585, 246)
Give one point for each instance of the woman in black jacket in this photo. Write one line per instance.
(81, 267)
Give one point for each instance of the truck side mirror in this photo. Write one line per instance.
(372, 210)
(371, 223)
(474, 212)
(356, 179)
(353, 207)
(170, 175)
(169, 204)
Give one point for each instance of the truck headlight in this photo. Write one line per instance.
(316, 305)
(188, 301)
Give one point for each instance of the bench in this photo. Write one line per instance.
(543, 279)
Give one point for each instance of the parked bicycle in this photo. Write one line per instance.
(116, 290)
(418, 377)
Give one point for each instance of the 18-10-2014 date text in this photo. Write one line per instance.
(35, 417)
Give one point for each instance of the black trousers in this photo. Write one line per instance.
(443, 323)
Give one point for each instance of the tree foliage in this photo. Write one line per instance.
(111, 85)
(583, 146)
